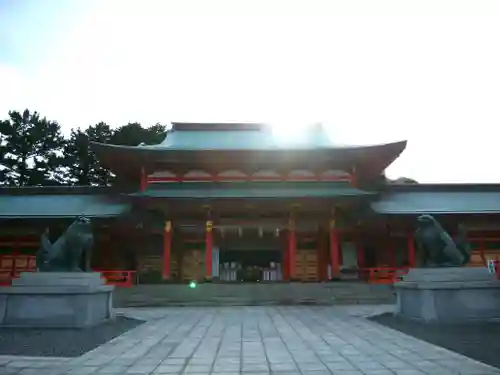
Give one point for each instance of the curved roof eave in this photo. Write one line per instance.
(369, 160)
(153, 150)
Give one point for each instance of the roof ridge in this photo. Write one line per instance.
(217, 126)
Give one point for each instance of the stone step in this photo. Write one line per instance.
(167, 303)
(253, 294)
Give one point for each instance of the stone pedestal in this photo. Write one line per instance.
(56, 299)
(449, 295)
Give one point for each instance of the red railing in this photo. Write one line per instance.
(121, 278)
(383, 275)
(11, 267)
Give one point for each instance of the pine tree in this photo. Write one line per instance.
(82, 166)
(31, 150)
(134, 134)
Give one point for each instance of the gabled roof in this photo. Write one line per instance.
(439, 199)
(57, 202)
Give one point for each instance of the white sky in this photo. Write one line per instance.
(373, 71)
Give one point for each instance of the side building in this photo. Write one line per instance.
(231, 203)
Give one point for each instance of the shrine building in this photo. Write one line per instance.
(231, 203)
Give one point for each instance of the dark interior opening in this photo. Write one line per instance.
(249, 258)
(249, 265)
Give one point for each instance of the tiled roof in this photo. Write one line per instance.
(440, 199)
(252, 190)
(59, 206)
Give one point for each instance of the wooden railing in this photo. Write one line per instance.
(11, 267)
(123, 278)
(383, 275)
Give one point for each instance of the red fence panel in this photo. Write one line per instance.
(383, 275)
(123, 278)
(11, 267)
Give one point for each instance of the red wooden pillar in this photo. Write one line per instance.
(394, 256)
(292, 248)
(144, 180)
(15, 255)
(334, 250)
(167, 250)
(286, 263)
(354, 177)
(360, 256)
(208, 248)
(322, 255)
(481, 252)
(411, 251)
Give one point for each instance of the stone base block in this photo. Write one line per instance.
(449, 295)
(56, 300)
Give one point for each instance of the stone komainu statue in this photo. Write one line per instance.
(71, 252)
(440, 248)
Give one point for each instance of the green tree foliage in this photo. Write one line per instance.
(33, 151)
(133, 134)
(30, 150)
(82, 166)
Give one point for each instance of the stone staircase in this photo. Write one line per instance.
(214, 294)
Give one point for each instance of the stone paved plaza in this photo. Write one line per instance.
(257, 340)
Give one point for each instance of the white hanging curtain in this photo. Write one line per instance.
(215, 261)
(349, 256)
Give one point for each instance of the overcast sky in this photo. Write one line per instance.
(372, 71)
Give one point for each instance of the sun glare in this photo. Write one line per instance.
(289, 132)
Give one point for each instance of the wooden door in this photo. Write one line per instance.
(193, 265)
(306, 265)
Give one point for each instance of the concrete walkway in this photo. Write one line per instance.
(257, 340)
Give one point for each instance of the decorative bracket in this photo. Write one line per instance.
(209, 226)
(168, 226)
